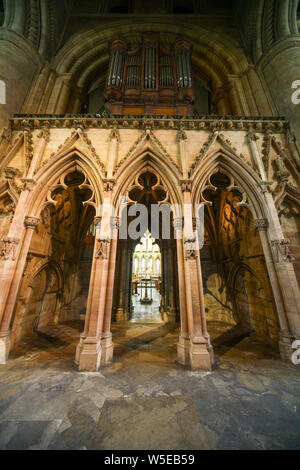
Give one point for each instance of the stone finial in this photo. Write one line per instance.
(181, 135)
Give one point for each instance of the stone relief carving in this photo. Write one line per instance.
(9, 248)
(102, 250)
(282, 251)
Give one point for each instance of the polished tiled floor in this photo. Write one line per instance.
(144, 400)
(146, 313)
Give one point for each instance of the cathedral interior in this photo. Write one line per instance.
(150, 342)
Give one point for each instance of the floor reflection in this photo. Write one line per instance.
(146, 313)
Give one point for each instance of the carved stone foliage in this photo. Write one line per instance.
(28, 147)
(210, 123)
(9, 248)
(190, 250)
(282, 250)
(7, 205)
(31, 222)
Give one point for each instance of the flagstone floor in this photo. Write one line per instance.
(144, 400)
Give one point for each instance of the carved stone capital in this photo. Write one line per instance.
(261, 225)
(97, 220)
(32, 222)
(28, 183)
(252, 137)
(9, 248)
(115, 223)
(178, 223)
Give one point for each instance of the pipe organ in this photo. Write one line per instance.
(150, 79)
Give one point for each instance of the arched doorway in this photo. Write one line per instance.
(53, 294)
(238, 295)
(146, 290)
(146, 298)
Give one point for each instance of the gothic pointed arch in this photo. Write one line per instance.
(242, 178)
(53, 175)
(148, 160)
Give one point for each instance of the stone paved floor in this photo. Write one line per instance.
(144, 400)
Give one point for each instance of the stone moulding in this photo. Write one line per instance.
(211, 123)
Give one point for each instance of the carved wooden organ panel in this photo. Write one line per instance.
(150, 79)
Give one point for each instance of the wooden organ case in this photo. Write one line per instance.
(150, 79)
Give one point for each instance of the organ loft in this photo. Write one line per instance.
(109, 102)
(150, 79)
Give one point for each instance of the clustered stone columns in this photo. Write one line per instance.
(171, 309)
(286, 338)
(95, 347)
(194, 329)
(16, 244)
(169, 281)
(124, 291)
(14, 254)
(278, 260)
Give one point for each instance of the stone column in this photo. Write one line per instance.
(121, 303)
(286, 338)
(280, 68)
(258, 92)
(60, 95)
(171, 311)
(106, 337)
(88, 353)
(14, 264)
(200, 358)
(286, 276)
(222, 102)
(184, 340)
(234, 97)
(166, 282)
(19, 64)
